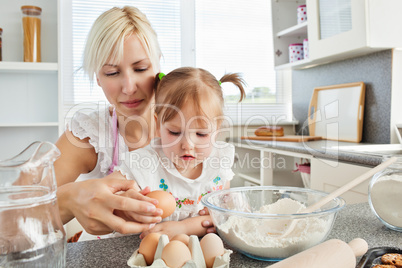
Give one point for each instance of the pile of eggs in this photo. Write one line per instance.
(181, 251)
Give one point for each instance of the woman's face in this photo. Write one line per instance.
(128, 85)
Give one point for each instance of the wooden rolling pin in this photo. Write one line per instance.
(333, 253)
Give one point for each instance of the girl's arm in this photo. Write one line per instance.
(189, 226)
(208, 223)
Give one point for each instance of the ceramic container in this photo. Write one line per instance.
(301, 14)
(305, 49)
(295, 52)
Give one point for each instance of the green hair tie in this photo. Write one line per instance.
(219, 82)
(161, 75)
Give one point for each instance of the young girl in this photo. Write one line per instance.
(186, 160)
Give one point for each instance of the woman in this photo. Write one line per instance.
(123, 53)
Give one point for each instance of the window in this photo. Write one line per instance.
(220, 36)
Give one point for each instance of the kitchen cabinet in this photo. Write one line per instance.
(255, 166)
(259, 165)
(30, 92)
(336, 29)
(329, 175)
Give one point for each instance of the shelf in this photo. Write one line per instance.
(299, 29)
(253, 177)
(301, 64)
(14, 66)
(40, 124)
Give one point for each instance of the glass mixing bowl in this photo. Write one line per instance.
(252, 219)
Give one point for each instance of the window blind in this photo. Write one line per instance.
(236, 36)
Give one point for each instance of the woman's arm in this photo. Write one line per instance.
(95, 204)
(77, 157)
(189, 226)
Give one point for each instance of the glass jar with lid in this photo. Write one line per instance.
(385, 195)
(31, 24)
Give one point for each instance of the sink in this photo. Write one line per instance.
(374, 149)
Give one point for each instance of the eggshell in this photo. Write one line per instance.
(166, 202)
(148, 247)
(181, 237)
(175, 254)
(212, 247)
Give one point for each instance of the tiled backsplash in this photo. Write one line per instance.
(373, 69)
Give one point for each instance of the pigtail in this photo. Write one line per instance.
(237, 80)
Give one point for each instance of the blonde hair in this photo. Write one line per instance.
(106, 38)
(188, 84)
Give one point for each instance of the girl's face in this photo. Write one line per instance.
(128, 85)
(186, 141)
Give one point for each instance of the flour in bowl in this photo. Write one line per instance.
(260, 237)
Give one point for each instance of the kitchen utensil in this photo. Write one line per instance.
(294, 138)
(336, 112)
(246, 217)
(340, 191)
(31, 231)
(333, 253)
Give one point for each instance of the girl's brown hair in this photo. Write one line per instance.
(194, 85)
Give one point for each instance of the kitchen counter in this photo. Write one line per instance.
(353, 221)
(324, 149)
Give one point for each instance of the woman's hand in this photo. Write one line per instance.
(208, 224)
(94, 202)
(139, 195)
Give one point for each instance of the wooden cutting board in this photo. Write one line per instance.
(336, 112)
(294, 138)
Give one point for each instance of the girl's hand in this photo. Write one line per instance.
(93, 203)
(208, 224)
(203, 212)
(189, 226)
(170, 228)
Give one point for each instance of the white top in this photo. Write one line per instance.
(149, 166)
(97, 126)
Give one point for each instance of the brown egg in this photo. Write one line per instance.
(175, 254)
(212, 247)
(148, 247)
(166, 202)
(181, 237)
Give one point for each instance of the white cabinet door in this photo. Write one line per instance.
(329, 175)
(341, 29)
(336, 27)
